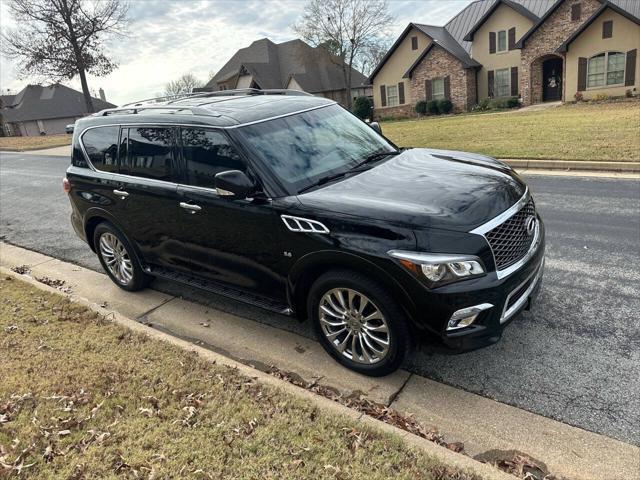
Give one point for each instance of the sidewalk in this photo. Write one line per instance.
(488, 429)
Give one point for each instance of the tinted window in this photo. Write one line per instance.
(101, 145)
(150, 154)
(207, 153)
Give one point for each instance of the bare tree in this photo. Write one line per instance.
(59, 39)
(185, 84)
(347, 28)
(372, 54)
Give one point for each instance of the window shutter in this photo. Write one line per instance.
(582, 74)
(607, 29)
(492, 42)
(490, 81)
(630, 70)
(383, 95)
(401, 93)
(514, 81)
(428, 94)
(512, 38)
(575, 12)
(447, 87)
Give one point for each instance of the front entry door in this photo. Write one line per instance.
(552, 80)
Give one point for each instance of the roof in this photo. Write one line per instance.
(513, 5)
(36, 102)
(470, 64)
(219, 109)
(272, 65)
(631, 7)
(606, 5)
(6, 100)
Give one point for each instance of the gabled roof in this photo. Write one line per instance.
(271, 65)
(6, 100)
(470, 63)
(565, 45)
(36, 102)
(513, 5)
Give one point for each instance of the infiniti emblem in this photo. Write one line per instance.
(530, 224)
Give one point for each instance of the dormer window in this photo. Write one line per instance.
(502, 41)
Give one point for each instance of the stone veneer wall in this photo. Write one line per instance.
(400, 111)
(544, 42)
(440, 63)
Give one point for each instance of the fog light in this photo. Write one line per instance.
(465, 317)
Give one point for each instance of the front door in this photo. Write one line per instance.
(552, 80)
(227, 241)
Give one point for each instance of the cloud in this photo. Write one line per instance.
(167, 39)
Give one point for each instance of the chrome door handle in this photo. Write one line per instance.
(192, 208)
(121, 193)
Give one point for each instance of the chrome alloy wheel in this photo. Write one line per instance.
(116, 258)
(354, 326)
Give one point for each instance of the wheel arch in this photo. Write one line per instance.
(310, 267)
(95, 217)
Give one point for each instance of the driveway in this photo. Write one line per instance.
(575, 357)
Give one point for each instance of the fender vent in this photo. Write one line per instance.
(304, 225)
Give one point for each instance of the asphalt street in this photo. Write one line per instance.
(574, 357)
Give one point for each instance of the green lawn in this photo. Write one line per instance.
(81, 397)
(21, 144)
(608, 131)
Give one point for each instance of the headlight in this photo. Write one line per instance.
(438, 268)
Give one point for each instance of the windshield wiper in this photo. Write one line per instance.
(373, 157)
(323, 180)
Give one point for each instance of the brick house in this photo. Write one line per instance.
(537, 50)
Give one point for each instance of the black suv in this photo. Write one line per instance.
(289, 202)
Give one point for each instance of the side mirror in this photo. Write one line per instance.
(376, 126)
(233, 184)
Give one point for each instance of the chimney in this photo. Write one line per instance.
(102, 97)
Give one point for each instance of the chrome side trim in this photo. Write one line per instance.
(508, 313)
(420, 257)
(467, 312)
(510, 212)
(303, 225)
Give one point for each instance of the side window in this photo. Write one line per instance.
(206, 153)
(150, 154)
(101, 145)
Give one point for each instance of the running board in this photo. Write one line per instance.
(222, 290)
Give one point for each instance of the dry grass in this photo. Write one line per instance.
(81, 397)
(608, 131)
(21, 144)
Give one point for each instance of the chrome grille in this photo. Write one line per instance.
(510, 240)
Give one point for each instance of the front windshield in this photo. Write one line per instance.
(303, 148)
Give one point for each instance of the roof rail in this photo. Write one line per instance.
(138, 109)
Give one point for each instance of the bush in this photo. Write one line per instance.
(421, 107)
(482, 106)
(600, 97)
(578, 96)
(628, 93)
(513, 102)
(432, 107)
(445, 105)
(362, 107)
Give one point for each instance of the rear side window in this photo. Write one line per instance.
(101, 145)
(207, 153)
(150, 153)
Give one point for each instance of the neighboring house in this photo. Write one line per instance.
(39, 110)
(293, 65)
(538, 50)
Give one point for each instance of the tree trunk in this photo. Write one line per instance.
(85, 90)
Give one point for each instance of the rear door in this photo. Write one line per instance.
(148, 184)
(228, 241)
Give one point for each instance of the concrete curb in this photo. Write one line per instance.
(442, 454)
(574, 165)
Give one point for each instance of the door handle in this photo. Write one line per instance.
(189, 206)
(121, 193)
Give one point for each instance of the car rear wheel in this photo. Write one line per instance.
(118, 258)
(358, 323)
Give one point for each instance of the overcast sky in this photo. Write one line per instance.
(169, 38)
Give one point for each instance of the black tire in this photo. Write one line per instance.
(139, 279)
(399, 337)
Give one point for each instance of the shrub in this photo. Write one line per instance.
(362, 107)
(600, 97)
(421, 107)
(513, 102)
(628, 93)
(432, 107)
(444, 105)
(578, 96)
(482, 106)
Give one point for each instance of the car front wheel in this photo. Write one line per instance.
(358, 323)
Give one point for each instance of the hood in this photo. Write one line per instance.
(425, 188)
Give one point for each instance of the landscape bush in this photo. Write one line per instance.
(362, 107)
(421, 107)
(432, 107)
(444, 106)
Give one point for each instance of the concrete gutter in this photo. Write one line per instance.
(573, 165)
(489, 430)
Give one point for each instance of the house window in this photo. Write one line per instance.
(606, 69)
(502, 83)
(502, 41)
(576, 12)
(414, 43)
(607, 29)
(392, 96)
(437, 88)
